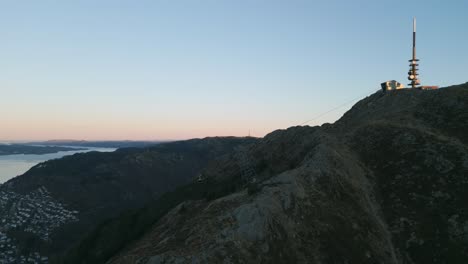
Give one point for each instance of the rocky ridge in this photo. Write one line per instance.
(384, 184)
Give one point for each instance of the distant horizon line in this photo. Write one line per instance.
(84, 140)
(107, 140)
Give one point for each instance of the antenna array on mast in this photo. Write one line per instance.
(413, 71)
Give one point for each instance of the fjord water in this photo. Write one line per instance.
(14, 165)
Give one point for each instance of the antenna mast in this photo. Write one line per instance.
(413, 72)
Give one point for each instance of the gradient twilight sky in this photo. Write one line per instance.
(181, 69)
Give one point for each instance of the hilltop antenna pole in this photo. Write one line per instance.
(413, 72)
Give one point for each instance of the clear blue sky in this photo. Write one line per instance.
(180, 69)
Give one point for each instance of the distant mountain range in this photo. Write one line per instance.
(54, 146)
(96, 144)
(13, 149)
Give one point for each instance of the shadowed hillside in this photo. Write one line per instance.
(53, 205)
(384, 184)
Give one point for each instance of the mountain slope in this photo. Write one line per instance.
(384, 184)
(53, 205)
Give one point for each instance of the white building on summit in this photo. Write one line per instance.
(391, 85)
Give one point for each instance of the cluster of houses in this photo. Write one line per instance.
(37, 213)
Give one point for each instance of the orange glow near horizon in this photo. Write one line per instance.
(35, 130)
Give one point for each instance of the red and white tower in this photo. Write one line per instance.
(413, 71)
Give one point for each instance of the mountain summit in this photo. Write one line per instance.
(384, 184)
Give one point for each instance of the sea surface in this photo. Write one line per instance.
(14, 165)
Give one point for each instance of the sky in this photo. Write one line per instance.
(156, 70)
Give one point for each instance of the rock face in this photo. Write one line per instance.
(387, 183)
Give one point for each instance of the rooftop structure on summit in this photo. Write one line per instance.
(391, 85)
(429, 87)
